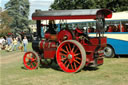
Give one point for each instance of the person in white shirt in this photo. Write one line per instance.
(25, 43)
(2, 41)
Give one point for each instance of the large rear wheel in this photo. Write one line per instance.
(71, 56)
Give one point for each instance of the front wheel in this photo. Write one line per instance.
(31, 60)
(71, 56)
(109, 52)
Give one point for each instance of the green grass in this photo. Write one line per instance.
(114, 71)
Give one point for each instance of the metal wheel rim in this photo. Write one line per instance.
(107, 51)
(71, 56)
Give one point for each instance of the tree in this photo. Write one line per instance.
(19, 11)
(114, 5)
(4, 23)
(117, 5)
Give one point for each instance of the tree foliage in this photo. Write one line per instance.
(19, 11)
(4, 23)
(5, 20)
(114, 5)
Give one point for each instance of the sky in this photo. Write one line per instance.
(34, 4)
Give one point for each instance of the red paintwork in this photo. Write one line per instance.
(30, 56)
(47, 35)
(70, 14)
(64, 17)
(79, 30)
(90, 49)
(107, 13)
(49, 49)
(62, 34)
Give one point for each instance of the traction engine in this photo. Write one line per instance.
(70, 49)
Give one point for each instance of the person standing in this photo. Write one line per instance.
(25, 43)
(9, 40)
(10, 43)
(2, 41)
(18, 42)
(14, 44)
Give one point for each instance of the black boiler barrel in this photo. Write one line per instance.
(35, 45)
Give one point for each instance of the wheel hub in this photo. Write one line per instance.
(107, 51)
(70, 56)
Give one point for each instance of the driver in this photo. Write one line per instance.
(52, 26)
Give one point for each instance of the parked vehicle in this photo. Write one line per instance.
(117, 41)
(72, 49)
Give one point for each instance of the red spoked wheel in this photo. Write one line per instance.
(71, 56)
(31, 60)
(65, 34)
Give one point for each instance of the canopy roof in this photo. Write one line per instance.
(70, 14)
(120, 15)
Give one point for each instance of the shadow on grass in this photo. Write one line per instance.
(90, 68)
(121, 56)
(55, 67)
(23, 68)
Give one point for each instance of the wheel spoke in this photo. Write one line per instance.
(32, 65)
(28, 63)
(33, 59)
(69, 47)
(73, 48)
(29, 58)
(72, 66)
(65, 62)
(77, 61)
(67, 66)
(75, 65)
(62, 59)
(29, 55)
(63, 50)
(62, 54)
(33, 56)
(78, 58)
(77, 54)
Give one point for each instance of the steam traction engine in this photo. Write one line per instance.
(72, 49)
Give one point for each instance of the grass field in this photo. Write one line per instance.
(114, 71)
